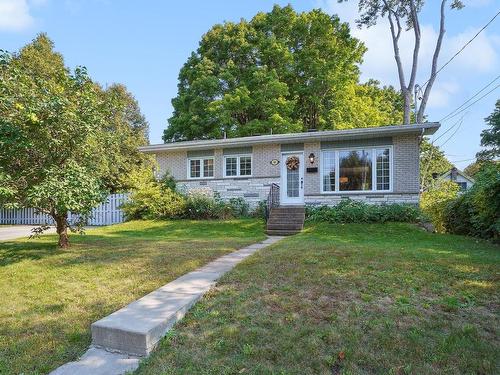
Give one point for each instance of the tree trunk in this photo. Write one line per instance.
(62, 229)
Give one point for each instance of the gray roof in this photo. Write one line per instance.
(317, 136)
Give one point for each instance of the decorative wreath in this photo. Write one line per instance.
(292, 163)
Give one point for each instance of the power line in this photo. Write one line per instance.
(474, 102)
(468, 100)
(455, 132)
(450, 128)
(463, 47)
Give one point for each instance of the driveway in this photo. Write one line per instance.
(10, 232)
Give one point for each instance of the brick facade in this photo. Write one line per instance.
(253, 189)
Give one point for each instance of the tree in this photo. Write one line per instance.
(59, 135)
(433, 163)
(405, 14)
(473, 168)
(490, 138)
(281, 72)
(127, 129)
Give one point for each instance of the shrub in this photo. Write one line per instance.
(150, 199)
(434, 202)
(477, 211)
(202, 204)
(238, 207)
(349, 211)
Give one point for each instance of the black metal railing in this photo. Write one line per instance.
(273, 199)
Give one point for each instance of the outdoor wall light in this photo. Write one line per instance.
(312, 157)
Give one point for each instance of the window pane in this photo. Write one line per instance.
(328, 165)
(231, 166)
(208, 167)
(355, 172)
(245, 166)
(194, 168)
(383, 169)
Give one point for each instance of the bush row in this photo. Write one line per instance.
(349, 211)
(152, 199)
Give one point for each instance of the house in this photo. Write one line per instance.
(460, 178)
(375, 165)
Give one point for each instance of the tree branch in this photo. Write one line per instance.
(416, 49)
(427, 91)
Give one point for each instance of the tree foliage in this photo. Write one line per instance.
(433, 162)
(490, 138)
(63, 140)
(282, 71)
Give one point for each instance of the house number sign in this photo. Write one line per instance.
(275, 162)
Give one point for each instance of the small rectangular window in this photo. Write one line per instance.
(328, 166)
(195, 168)
(245, 166)
(240, 165)
(231, 166)
(201, 168)
(383, 168)
(208, 167)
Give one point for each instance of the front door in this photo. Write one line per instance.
(292, 178)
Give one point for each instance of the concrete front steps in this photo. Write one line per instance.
(285, 220)
(121, 339)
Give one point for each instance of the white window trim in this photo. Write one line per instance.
(238, 156)
(374, 168)
(202, 167)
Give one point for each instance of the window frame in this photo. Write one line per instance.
(202, 167)
(238, 166)
(373, 150)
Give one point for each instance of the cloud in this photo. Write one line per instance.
(14, 15)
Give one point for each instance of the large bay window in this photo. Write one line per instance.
(237, 166)
(356, 170)
(201, 167)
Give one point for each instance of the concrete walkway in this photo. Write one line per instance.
(121, 339)
(8, 232)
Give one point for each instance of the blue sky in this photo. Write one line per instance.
(143, 44)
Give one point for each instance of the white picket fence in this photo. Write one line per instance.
(106, 213)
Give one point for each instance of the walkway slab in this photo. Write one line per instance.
(99, 362)
(123, 337)
(137, 328)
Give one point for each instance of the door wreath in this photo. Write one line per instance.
(292, 163)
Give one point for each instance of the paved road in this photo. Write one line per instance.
(10, 232)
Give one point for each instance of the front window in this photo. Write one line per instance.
(203, 167)
(359, 169)
(355, 170)
(238, 165)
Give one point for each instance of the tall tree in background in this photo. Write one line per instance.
(282, 71)
(60, 135)
(404, 15)
(432, 161)
(490, 138)
(127, 129)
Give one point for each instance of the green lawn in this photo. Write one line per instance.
(49, 297)
(347, 299)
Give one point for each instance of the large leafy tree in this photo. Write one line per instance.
(404, 15)
(282, 71)
(59, 135)
(490, 137)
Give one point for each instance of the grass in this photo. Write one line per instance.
(50, 296)
(347, 299)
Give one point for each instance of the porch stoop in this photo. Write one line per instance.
(285, 220)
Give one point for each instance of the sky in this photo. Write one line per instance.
(143, 44)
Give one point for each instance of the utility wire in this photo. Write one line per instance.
(468, 100)
(471, 104)
(449, 129)
(453, 134)
(463, 47)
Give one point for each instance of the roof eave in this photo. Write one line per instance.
(424, 129)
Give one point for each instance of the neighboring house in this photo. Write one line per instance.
(456, 175)
(375, 165)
